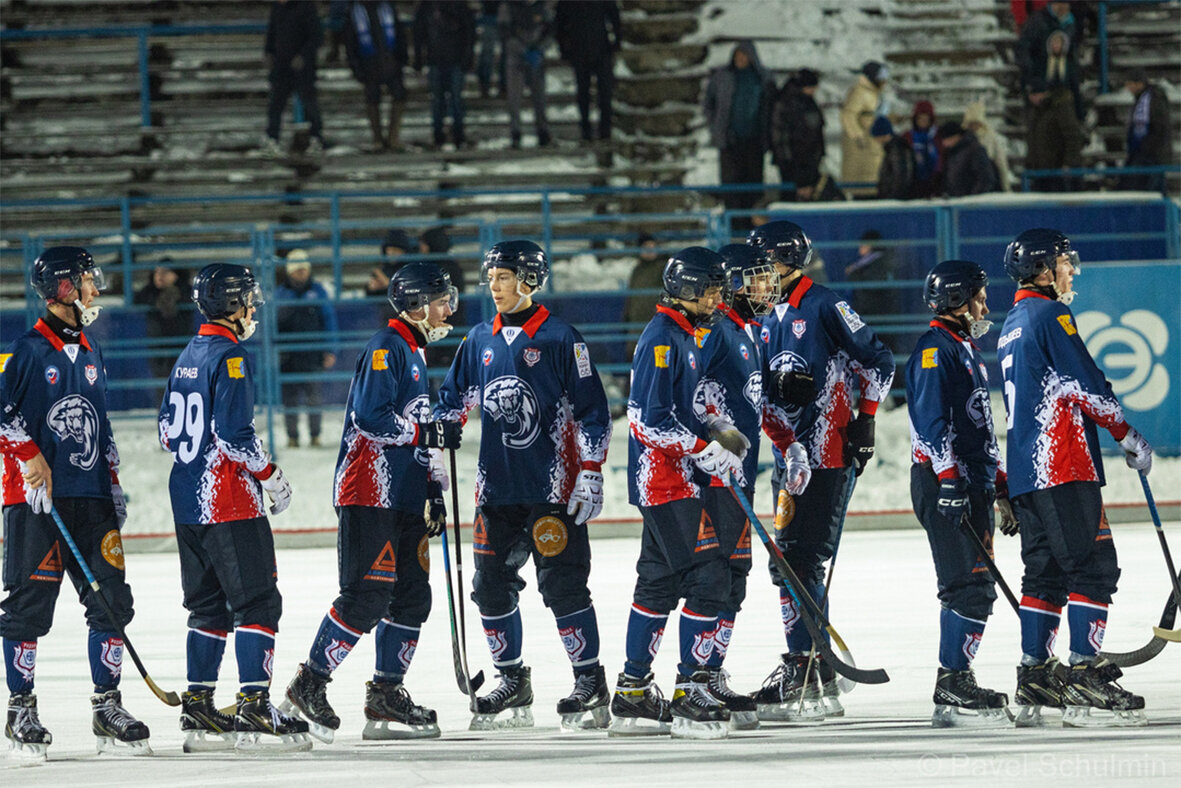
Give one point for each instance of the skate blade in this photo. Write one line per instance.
(28, 753)
(832, 706)
(109, 745)
(387, 730)
(208, 741)
(637, 726)
(520, 717)
(744, 720)
(589, 720)
(321, 732)
(957, 717)
(258, 743)
(1032, 717)
(684, 728)
(810, 712)
(1091, 717)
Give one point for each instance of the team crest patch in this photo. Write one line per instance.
(972, 644)
(234, 367)
(582, 359)
(798, 327)
(91, 374)
(335, 653)
(549, 536)
(574, 641)
(852, 319)
(707, 537)
(745, 352)
(424, 554)
(661, 356)
(930, 358)
(380, 360)
(25, 660)
(1067, 325)
(415, 372)
(785, 512)
(112, 656)
(692, 361)
(765, 335)
(487, 357)
(52, 375)
(112, 547)
(532, 355)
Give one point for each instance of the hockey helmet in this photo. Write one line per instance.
(952, 283)
(1035, 250)
(782, 242)
(525, 257)
(221, 289)
(59, 269)
(748, 272)
(416, 285)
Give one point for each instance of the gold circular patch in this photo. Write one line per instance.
(549, 536)
(112, 547)
(785, 511)
(424, 554)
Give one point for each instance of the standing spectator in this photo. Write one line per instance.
(1150, 133)
(1062, 69)
(396, 243)
(896, 173)
(737, 105)
(293, 36)
(861, 155)
(995, 145)
(375, 44)
(873, 264)
(488, 34)
(923, 143)
(444, 39)
(647, 275)
(797, 136)
(1055, 139)
(1030, 51)
(525, 28)
(163, 294)
(966, 167)
(587, 45)
(304, 307)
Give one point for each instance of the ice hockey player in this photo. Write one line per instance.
(388, 474)
(55, 435)
(544, 430)
(1056, 398)
(227, 553)
(817, 351)
(955, 478)
(671, 461)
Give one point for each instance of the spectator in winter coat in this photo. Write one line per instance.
(375, 45)
(995, 145)
(488, 34)
(797, 135)
(445, 39)
(896, 174)
(874, 263)
(923, 142)
(588, 37)
(293, 35)
(1150, 133)
(1030, 51)
(1055, 139)
(1062, 69)
(164, 294)
(526, 27)
(737, 107)
(304, 307)
(966, 166)
(861, 156)
(648, 275)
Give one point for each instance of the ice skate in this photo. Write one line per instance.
(743, 708)
(784, 696)
(28, 740)
(391, 714)
(697, 714)
(115, 730)
(1038, 687)
(830, 689)
(1093, 699)
(261, 728)
(307, 697)
(510, 705)
(206, 727)
(586, 707)
(961, 703)
(639, 708)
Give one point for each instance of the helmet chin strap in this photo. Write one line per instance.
(978, 328)
(245, 330)
(86, 315)
(432, 333)
(1064, 298)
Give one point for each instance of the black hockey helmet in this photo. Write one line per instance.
(692, 271)
(953, 283)
(748, 272)
(782, 242)
(1034, 250)
(59, 269)
(416, 285)
(221, 289)
(525, 257)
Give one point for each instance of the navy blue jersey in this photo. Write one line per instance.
(1055, 397)
(665, 427)
(816, 331)
(207, 422)
(54, 400)
(379, 464)
(543, 412)
(732, 386)
(950, 412)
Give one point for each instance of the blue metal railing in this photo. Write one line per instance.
(1029, 176)
(1102, 34)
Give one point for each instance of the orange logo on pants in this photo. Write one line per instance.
(112, 547)
(424, 554)
(549, 536)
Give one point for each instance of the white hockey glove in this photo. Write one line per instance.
(38, 499)
(436, 509)
(120, 502)
(799, 472)
(1137, 451)
(715, 460)
(728, 435)
(437, 471)
(279, 490)
(586, 501)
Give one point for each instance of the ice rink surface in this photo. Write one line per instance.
(883, 605)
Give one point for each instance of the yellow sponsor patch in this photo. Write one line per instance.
(930, 358)
(549, 536)
(785, 510)
(1067, 324)
(380, 359)
(662, 356)
(234, 366)
(424, 554)
(4, 360)
(112, 547)
(700, 335)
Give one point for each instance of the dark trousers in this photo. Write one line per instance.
(308, 395)
(810, 536)
(681, 557)
(518, 73)
(741, 162)
(228, 574)
(733, 530)
(284, 82)
(446, 83)
(385, 562)
(603, 73)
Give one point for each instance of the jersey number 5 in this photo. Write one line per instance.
(188, 420)
(1010, 389)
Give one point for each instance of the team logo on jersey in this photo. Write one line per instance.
(487, 357)
(24, 659)
(50, 568)
(692, 360)
(852, 319)
(424, 554)
(930, 358)
(745, 352)
(550, 536)
(980, 409)
(91, 374)
(112, 656)
(1067, 325)
(573, 641)
(798, 327)
(335, 652)
(511, 403)
(234, 367)
(380, 360)
(418, 409)
(52, 375)
(415, 372)
(112, 549)
(661, 356)
(786, 361)
(582, 359)
(4, 361)
(531, 356)
(752, 390)
(74, 418)
(983, 372)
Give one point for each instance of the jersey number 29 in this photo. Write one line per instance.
(188, 420)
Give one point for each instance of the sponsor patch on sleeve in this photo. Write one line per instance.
(4, 361)
(1067, 324)
(930, 358)
(852, 319)
(234, 367)
(380, 359)
(582, 358)
(662, 356)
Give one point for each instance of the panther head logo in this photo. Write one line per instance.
(74, 418)
(510, 401)
(787, 361)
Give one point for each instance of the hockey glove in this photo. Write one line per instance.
(279, 491)
(440, 434)
(436, 471)
(587, 499)
(860, 448)
(791, 387)
(1137, 451)
(1008, 524)
(715, 460)
(728, 435)
(436, 509)
(38, 499)
(799, 471)
(120, 502)
(953, 499)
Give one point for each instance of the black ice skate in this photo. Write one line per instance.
(391, 714)
(1093, 699)
(585, 708)
(261, 728)
(206, 727)
(830, 689)
(784, 696)
(961, 703)
(28, 740)
(1038, 687)
(115, 729)
(510, 705)
(697, 714)
(743, 708)
(307, 697)
(639, 708)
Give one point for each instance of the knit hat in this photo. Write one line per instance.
(297, 260)
(951, 128)
(400, 239)
(807, 78)
(882, 127)
(875, 71)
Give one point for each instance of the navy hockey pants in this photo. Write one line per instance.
(228, 574)
(681, 557)
(733, 530)
(810, 536)
(36, 557)
(385, 563)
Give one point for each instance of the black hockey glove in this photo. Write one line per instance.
(440, 434)
(860, 447)
(1008, 524)
(953, 499)
(791, 387)
(436, 509)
